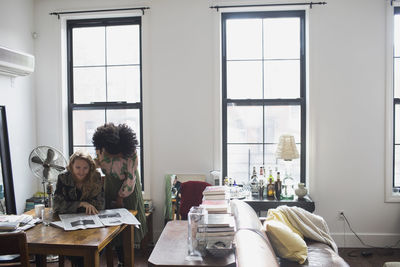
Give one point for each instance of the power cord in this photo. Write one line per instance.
(362, 242)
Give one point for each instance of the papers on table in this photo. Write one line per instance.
(117, 217)
(16, 223)
(80, 221)
(104, 218)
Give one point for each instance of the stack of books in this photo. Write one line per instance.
(218, 225)
(216, 206)
(218, 233)
(215, 200)
(215, 193)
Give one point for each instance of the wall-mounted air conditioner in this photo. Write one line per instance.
(15, 63)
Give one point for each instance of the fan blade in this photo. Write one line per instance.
(46, 173)
(58, 168)
(36, 159)
(50, 156)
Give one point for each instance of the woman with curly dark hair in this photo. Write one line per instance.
(117, 158)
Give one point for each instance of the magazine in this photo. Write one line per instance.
(110, 217)
(117, 217)
(80, 221)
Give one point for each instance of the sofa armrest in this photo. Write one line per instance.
(253, 250)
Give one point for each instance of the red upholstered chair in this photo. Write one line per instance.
(191, 195)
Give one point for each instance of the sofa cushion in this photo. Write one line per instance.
(277, 215)
(319, 254)
(286, 242)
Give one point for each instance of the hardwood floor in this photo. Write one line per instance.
(354, 257)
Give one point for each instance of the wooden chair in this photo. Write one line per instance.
(14, 243)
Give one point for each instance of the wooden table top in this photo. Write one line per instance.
(172, 248)
(42, 235)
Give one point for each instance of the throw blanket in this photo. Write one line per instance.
(310, 225)
(168, 204)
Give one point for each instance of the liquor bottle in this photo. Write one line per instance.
(270, 189)
(278, 186)
(254, 183)
(226, 181)
(270, 176)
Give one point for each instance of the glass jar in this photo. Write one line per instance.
(197, 218)
(287, 188)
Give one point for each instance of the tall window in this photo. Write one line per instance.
(263, 90)
(104, 79)
(396, 101)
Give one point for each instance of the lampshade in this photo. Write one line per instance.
(287, 149)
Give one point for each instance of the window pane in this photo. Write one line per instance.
(123, 45)
(245, 124)
(85, 123)
(397, 35)
(397, 124)
(241, 159)
(282, 38)
(396, 70)
(88, 46)
(244, 39)
(89, 85)
(123, 84)
(291, 167)
(91, 150)
(282, 79)
(397, 165)
(127, 116)
(244, 79)
(282, 120)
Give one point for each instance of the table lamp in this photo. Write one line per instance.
(287, 151)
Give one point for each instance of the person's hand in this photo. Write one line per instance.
(90, 209)
(119, 202)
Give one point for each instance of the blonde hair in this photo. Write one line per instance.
(89, 183)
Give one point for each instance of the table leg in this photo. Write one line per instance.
(41, 260)
(61, 260)
(109, 256)
(128, 241)
(92, 258)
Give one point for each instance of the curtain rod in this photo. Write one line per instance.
(98, 10)
(261, 5)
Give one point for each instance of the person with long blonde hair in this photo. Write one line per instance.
(80, 188)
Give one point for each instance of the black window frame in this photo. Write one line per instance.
(98, 22)
(265, 102)
(396, 101)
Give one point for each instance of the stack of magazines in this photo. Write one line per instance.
(215, 199)
(219, 228)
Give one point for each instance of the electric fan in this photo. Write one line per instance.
(47, 163)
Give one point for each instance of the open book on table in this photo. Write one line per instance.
(104, 218)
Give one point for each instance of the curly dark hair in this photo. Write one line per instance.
(115, 139)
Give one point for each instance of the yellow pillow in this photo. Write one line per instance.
(287, 244)
(277, 215)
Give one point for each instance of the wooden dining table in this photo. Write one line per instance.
(44, 240)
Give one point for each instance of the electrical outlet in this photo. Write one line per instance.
(340, 215)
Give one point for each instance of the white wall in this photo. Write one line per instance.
(181, 102)
(18, 95)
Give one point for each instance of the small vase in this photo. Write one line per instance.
(301, 191)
